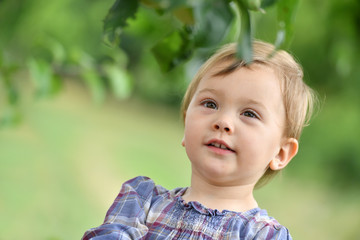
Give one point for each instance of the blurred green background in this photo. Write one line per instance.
(71, 133)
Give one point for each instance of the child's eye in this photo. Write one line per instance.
(250, 114)
(209, 104)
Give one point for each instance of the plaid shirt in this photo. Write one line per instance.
(143, 210)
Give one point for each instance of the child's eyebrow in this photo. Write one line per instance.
(257, 103)
(212, 90)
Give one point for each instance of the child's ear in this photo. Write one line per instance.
(287, 151)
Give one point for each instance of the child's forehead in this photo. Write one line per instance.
(225, 68)
(255, 76)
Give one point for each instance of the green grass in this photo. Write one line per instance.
(63, 165)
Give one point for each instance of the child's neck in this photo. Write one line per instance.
(213, 196)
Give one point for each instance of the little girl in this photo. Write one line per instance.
(242, 125)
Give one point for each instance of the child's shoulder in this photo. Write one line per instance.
(263, 225)
(144, 187)
(262, 217)
(139, 182)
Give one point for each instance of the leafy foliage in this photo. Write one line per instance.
(51, 44)
(200, 24)
(45, 82)
(171, 30)
(286, 18)
(117, 16)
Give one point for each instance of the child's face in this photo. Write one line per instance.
(234, 125)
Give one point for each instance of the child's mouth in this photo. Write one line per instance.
(219, 145)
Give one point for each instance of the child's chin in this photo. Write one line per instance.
(218, 174)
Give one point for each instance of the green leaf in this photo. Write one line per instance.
(164, 5)
(45, 82)
(267, 3)
(244, 50)
(117, 18)
(254, 5)
(234, 28)
(151, 4)
(185, 15)
(286, 12)
(120, 81)
(58, 51)
(213, 19)
(174, 49)
(95, 85)
(90, 75)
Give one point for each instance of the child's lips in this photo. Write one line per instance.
(219, 146)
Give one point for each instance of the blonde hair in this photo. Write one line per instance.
(299, 98)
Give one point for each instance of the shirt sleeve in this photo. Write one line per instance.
(270, 232)
(262, 226)
(126, 218)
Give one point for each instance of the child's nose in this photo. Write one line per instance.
(223, 125)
